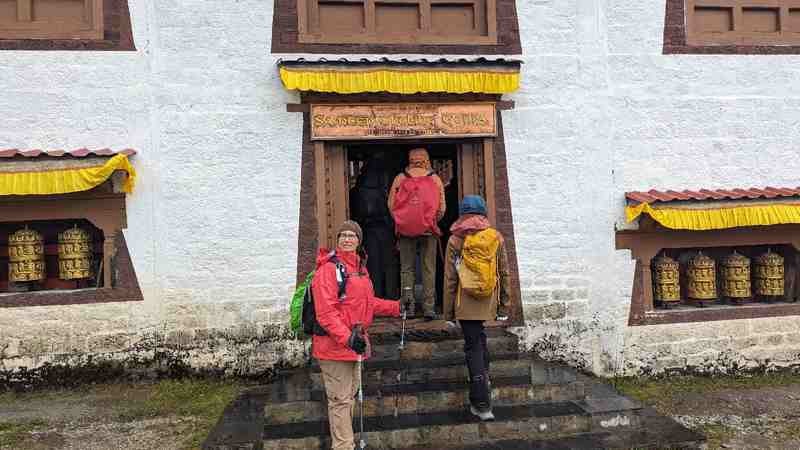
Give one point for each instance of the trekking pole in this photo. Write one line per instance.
(402, 345)
(362, 443)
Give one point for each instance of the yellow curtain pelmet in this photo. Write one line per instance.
(718, 218)
(63, 181)
(400, 81)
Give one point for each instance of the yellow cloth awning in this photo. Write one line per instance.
(63, 181)
(400, 80)
(718, 218)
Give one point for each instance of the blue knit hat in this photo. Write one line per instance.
(472, 204)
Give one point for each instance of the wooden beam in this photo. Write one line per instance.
(504, 105)
(298, 107)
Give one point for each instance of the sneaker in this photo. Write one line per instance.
(485, 415)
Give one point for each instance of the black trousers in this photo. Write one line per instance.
(476, 353)
(382, 260)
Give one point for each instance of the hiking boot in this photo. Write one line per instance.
(484, 414)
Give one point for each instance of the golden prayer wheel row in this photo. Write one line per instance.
(701, 274)
(26, 255)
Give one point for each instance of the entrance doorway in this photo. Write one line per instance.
(371, 170)
(353, 180)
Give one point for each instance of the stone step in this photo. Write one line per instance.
(441, 429)
(440, 345)
(426, 398)
(655, 432)
(454, 369)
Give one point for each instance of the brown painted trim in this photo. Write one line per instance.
(117, 34)
(675, 38)
(125, 287)
(286, 36)
(308, 229)
(297, 108)
(716, 313)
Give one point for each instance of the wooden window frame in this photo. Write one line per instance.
(646, 243)
(738, 36)
(26, 27)
(309, 32)
(104, 207)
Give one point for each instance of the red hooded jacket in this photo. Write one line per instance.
(338, 316)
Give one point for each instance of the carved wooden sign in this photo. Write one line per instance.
(402, 120)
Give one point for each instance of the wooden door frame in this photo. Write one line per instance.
(476, 176)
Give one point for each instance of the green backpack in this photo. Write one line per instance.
(302, 317)
(296, 308)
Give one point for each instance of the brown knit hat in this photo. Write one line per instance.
(349, 225)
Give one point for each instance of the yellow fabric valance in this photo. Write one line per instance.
(401, 81)
(63, 181)
(718, 218)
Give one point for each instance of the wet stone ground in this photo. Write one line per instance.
(758, 413)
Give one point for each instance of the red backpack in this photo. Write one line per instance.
(416, 203)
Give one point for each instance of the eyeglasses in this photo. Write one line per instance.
(348, 235)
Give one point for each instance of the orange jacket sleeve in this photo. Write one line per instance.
(442, 200)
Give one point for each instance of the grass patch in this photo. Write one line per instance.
(12, 434)
(661, 392)
(203, 400)
(200, 401)
(716, 435)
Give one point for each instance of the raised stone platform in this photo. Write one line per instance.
(417, 399)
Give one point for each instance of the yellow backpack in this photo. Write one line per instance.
(477, 269)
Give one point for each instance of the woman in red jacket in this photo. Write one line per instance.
(345, 318)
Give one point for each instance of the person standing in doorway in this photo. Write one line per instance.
(369, 208)
(344, 304)
(476, 289)
(416, 200)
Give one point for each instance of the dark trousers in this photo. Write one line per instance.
(477, 355)
(382, 261)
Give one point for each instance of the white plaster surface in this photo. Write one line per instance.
(212, 226)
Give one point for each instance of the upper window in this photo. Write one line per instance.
(397, 21)
(743, 22)
(51, 19)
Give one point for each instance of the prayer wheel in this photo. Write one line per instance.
(74, 254)
(666, 280)
(736, 277)
(701, 278)
(768, 276)
(26, 256)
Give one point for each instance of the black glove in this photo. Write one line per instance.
(356, 342)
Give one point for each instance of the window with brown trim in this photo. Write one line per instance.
(652, 241)
(743, 22)
(51, 19)
(440, 22)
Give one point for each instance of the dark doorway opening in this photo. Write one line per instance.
(371, 168)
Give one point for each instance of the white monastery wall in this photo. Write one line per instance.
(212, 224)
(602, 111)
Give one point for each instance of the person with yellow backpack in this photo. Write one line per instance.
(476, 289)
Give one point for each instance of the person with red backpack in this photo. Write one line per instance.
(344, 305)
(476, 289)
(417, 203)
